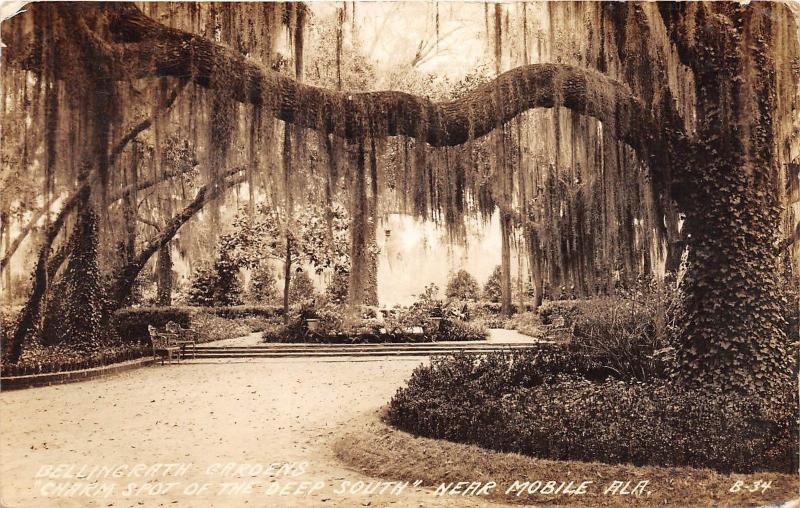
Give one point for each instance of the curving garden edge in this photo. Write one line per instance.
(368, 445)
(54, 378)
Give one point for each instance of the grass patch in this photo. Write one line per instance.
(371, 446)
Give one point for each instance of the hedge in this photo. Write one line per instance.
(131, 323)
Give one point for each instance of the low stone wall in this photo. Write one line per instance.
(54, 378)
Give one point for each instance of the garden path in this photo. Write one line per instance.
(203, 413)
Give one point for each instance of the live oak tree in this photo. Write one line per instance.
(697, 96)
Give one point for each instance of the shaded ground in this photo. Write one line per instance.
(252, 412)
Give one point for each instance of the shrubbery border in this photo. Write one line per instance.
(370, 445)
(54, 378)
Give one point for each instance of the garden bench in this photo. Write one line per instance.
(163, 345)
(182, 337)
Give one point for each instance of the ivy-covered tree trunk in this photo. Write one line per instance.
(82, 306)
(733, 335)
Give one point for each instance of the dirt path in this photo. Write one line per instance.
(258, 412)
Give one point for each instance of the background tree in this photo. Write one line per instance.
(493, 289)
(219, 284)
(263, 284)
(302, 288)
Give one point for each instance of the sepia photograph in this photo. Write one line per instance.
(409, 253)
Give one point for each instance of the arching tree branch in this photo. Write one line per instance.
(126, 276)
(137, 46)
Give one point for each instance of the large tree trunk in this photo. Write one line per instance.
(359, 226)
(733, 334)
(76, 314)
(287, 279)
(164, 275)
(28, 316)
(505, 264)
(536, 268)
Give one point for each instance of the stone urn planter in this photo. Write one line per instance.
(437, 324)
(312, 324)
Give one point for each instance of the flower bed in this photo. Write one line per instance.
(336, 324)
(448, 330)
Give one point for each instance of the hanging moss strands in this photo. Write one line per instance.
(592, 145)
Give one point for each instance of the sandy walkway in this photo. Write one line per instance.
(254, 412)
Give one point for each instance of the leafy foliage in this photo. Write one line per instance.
(317, 236)
(263, 284)
(131, 323)
(219, 284)
(462, 286)
(211, 323)
(492, 290)
(337, 287)
(623, 335)
(301, 288)
(527, 323)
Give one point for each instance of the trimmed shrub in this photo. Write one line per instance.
(201, 288)
(210, 327)
(216, 285)
(301, 288)
(547, 405)
(459, 330)
(336, 289)
(462, 286)
(337, 325)
(210, 323)
(40, 359)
